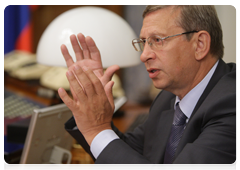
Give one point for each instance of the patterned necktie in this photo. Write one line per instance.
(179, 123)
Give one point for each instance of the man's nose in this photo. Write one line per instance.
(147, 54)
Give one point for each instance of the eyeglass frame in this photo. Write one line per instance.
(164, 38)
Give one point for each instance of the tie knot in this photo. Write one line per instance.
(179, 116)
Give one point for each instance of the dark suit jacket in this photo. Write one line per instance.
(209, 137)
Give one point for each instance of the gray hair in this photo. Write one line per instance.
(198, 17)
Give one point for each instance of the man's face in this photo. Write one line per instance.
(172, 67)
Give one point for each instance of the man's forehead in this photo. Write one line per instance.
(159, 22)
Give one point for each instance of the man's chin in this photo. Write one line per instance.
(159, 85)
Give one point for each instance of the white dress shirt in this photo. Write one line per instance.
(187, 104)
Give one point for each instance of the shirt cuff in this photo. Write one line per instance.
(101, 141)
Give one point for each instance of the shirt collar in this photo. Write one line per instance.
(189, 101)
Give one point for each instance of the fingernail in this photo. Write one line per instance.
(60, 90)
(69, 73)
(76, 67)
(85, 68)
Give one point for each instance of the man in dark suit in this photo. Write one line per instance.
(182, 50)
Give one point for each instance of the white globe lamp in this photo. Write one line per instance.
(111, 33)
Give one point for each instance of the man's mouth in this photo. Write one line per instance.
(153, 72)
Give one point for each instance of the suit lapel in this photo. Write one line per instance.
(162, 133)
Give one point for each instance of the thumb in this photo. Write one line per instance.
(108, 90)
(109, 73)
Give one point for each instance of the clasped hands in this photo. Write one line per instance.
(92, 103)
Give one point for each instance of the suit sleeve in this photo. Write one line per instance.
(134, 141)
(118, 152)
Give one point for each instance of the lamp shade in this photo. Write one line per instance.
(111, 33)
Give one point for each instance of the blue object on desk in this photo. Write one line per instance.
(12, 152)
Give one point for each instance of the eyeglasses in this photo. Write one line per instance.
(154, 41)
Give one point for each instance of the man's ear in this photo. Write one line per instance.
(203, 44)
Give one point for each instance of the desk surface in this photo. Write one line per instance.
(29, 89)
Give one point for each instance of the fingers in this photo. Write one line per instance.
(85, 50)
(76, 88)
(76, 47)
(73, 94)
(98, 87)
(80, 52)
(65, 98)
(84, 83)
(66, 55)
(109, 73)
(108, 90)
(94, 52)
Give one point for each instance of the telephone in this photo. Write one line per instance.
(24, 66)
(17, 59)
(54, 78)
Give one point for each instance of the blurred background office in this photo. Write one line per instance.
(24, 25)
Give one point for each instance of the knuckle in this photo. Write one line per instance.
(87, 85)
(71, 67)
(69, 103)
(67, 100)
(96, 81)
(79, 91)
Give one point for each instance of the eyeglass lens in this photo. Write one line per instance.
(138, 44)
(154, 42)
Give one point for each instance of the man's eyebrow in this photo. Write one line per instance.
(142, 37)
(154, 33)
